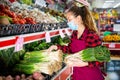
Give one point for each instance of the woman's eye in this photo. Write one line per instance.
(69, 20)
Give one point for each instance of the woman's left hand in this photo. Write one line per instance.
(53, 47)
(77, 63)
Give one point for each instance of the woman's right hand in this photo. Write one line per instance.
(53, 47)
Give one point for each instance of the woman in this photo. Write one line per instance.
(84, 36)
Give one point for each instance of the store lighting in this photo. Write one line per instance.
(116, 5)
(109, 1)
(104, 5)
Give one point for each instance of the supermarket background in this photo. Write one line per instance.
(31, 26)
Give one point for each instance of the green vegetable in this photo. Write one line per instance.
(35, 57)
(25, 68)
(43, 45)
(29, 64)
(37, 46)
(31, 46)
(99, 53)
(60, 41)
(28, 2)
(10, 58)
(10, 19)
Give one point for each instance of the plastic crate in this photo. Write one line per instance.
(14, 29)
(17, 29)
(36, 28)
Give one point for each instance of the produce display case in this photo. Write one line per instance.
(65, 72)
(31, 26)
(112, 45)
(7, 42)
(62, 74)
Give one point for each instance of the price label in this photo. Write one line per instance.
(67, 32)
(42, 3)
(47, 37)
(19, 44)
(61, 33)
(112, 45)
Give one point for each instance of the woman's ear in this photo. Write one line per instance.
(79, 19)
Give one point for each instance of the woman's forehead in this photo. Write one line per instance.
(69, 15)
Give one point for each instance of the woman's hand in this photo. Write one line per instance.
(80, 63)
(53, 47)
(77, 63)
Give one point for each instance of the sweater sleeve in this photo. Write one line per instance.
(74, 46)
(93, 40)
(67, 49)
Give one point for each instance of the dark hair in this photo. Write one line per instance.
(86, 16)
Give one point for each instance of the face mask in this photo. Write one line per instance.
(72, 25)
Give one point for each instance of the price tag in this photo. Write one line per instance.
(112, 45)
(116, 27)
(61, 33)
(67, 32)
(47, 37)
(19, 44)
(42, 3)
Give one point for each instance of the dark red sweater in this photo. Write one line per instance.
(88, 39)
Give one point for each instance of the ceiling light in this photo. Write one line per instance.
(116, 5)
(105, 5)
(109, 1)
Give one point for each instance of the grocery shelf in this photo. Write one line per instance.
(64, 74)
(115, 58)
(112, 45)
(7, 42)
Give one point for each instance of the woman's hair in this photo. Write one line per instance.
(86, 16)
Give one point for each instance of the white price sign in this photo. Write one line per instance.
(67, 32)
(42, 3)
(116, 27)
(19, 44)
(61, 33)
(47, 37)
(112, 45)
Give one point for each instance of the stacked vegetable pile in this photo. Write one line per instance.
(40, 61)
(42, 45)
(37, 59)
(8, 58)
(32, 62)
(34, 76)
(15, 18)
(35, 13)
(112, 38)
(99, 53)
(57, 14)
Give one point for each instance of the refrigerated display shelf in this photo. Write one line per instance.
(7, 42)
(115, 58)
(112, 45)
(63, 74)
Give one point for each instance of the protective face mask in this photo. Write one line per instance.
(72, 25)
